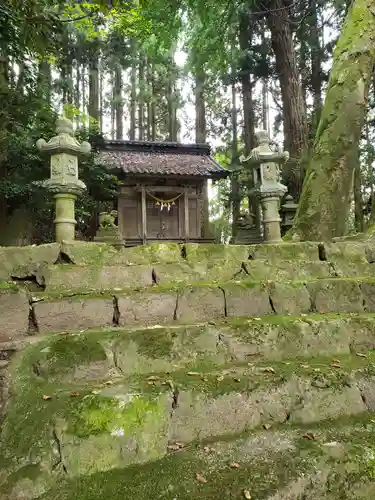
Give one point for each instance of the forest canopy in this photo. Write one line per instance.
(185, 70)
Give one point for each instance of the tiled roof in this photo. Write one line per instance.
(160, 158)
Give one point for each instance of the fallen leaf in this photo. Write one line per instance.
(266, 426)
(236, 379)
(200, 478)
(220, 378)
(109, 382)
(204, 379)
(153, 377)
(194, 374)
(269, 369)
(246, 494)
(336, 365)
(336, 361)
(234, 465)
(305, 366)
(173, 447)
(361, 355)
(74, 394)
(47, 398)
(309, 435)
(257, 319)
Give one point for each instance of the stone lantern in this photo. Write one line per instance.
(64, 150)
(265, 163)
(288, 211)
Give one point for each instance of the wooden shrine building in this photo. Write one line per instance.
(163, 192)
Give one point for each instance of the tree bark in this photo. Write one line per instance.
(324, 204)
(101, 100)
(358, 202)
(113, 108)
(133, 92)
(294, 112)
(77, 93)
(235, 185)
(93, 107)
(141, 98)
(245, 39)
(119, 107)
(200, 108)
(171, 99)
(316, 63)
(83, 82)
(44, 80)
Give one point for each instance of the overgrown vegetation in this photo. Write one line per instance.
(141, 71)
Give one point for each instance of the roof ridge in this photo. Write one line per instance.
(159, 147)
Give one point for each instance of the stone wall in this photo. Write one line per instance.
(134, 370)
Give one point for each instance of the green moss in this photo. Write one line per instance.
(179, 287)
(217, 380)
(95, 414)
(174, 477)
(30, 471)
(153, 343)
(262, 473)
(65, 352)
(89, 254)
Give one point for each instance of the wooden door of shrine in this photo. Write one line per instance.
(162, 222)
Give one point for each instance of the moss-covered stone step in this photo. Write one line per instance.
(80, 433)
(330, 462)
(89, 427)
(159, 305)
(78, 278)
(14, 312)
(21, 261)
(96, 354)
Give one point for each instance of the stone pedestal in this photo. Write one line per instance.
(108, 231)
(64, 221)
(271, 219)
(109, 235)
(63, 182)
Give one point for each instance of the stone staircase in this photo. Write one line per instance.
(187, 372)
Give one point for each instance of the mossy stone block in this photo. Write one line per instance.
(200, 304)
(83, 278)
(148, 254)
(14, 314)
(336, 295)
(147, 308)
(14, 258)
(71, 314)
(247, 299)
(306, 252)
(289, 299)
(83, 253)
(197, 252)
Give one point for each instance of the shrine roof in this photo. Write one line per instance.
(160, 158)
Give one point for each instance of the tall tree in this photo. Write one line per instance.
(324, 204)
(294, 112)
